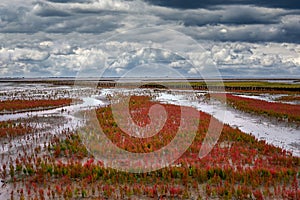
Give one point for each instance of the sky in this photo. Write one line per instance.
(66, 38)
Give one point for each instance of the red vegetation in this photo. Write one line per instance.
(20, 105)
(139, 109)
(289, 98)
(238, 167)
(272, 109)
(12, 129)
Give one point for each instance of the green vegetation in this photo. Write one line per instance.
(245, 86)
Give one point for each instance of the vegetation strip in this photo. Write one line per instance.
(280, 111)
(25, 105)
(12, 129)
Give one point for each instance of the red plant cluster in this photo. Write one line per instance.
(139, 109)
(238, 167)
(273, 109)
(289, 98)
(19, 105)
(71, 146)
(12, 129)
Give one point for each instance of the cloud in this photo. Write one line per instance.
(191, 4)
(258, 60)
(63, 37)
(17, 54)
(222, 22)
(235, 59)
(68, 1)
(47, 10)
(242, 14)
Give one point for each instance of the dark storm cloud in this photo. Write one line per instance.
(55, 37)
(45, 10)
(194, 4)
(238, 23)
(250, 33)
(242, 22)
(50, 18)
(96, 11)
(69, 1)
(226, 15)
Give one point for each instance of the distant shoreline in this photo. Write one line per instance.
(162, 79)
(258, 85)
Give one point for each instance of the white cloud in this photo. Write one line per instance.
(40, 37)
(21, 54)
